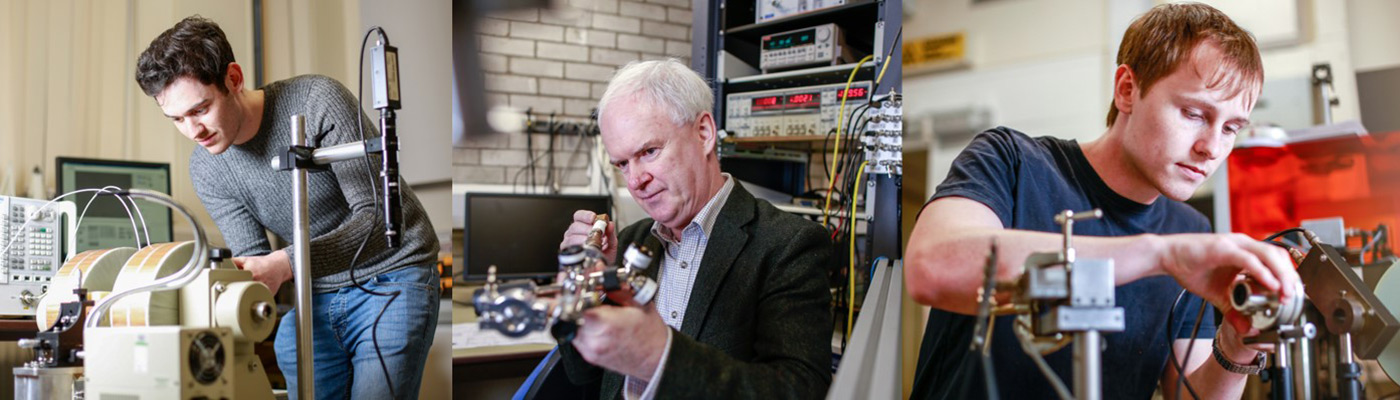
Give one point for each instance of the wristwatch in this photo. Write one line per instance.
(1250, 369)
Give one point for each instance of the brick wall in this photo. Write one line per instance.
(558, 61)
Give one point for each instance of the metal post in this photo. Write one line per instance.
(1087, 345)
(1280, 375)
(1302, 357)
(1348, 373)
(301, 268)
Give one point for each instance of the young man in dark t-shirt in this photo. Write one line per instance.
(1186, 82)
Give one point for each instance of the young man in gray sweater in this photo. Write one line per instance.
(190, 71)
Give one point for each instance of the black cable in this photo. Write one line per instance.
(1189, 346)
(826, 152)
(1171, 347)
(1285, 232)
(889, 54)
(360, 119)
(1285, 246)
(530, 151)
(807, 175)
(551, 174)
(515, 181)
(847, 202)
(577, 147)
(849, 163)
(826, 164)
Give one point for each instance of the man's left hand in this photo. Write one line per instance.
(627, 340)
(272, 270)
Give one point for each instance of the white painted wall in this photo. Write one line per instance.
(1045, 67)
(67, 67)
(1373, 33)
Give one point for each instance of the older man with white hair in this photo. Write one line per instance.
(743, 309)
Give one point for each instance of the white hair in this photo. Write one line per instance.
(678, 89)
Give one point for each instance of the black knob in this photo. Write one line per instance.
(218, 254)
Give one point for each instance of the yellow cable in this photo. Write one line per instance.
(882, 71)
(840, 117)
(851, 273)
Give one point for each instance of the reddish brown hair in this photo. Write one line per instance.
(1160, 41)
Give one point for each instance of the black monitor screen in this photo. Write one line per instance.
(107, 224)
(520, 234)
(107, 206)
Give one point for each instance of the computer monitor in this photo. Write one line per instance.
(520, 234)
(106, 224)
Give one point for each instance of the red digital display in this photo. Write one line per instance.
(767, 103)
(854, 93)
(804, 100)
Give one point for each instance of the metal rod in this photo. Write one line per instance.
(337, 153)
(1344, 348)
(301, 269)
(1086, 365)
(1326, 103)
(1348, 373)
(1303, 358)
(1280, 375)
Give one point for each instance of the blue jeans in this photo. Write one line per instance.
(347, 366)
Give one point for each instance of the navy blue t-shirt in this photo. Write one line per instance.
(1026, 181)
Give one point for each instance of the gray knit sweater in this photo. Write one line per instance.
(245, 194)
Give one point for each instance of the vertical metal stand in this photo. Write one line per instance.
(1303, 358)
(1077, 300)
(1348, 375)
(1280, 376)
(1087, 385)
(301, 268)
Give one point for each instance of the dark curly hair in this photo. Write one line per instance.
(195, 47)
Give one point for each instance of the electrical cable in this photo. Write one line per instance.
(1375, 238)
(1055, 381)
(549, 174)
(840, 117)
(888, 56)
(1171, 349)
(1284, 246)
(374, 328)
(1279, 234)
(144, 229)
(851, 305)
(515, 181)
(114, 190)
(847, 163)
(577, 147)
(530, 152)
(844, 205)
(30, 218)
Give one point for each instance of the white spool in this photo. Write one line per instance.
(147, 265)
(96, 268)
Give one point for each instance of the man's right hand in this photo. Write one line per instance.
(578, 232)
(1207, 265)
(272, 270)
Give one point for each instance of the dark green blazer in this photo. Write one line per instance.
(758, 324)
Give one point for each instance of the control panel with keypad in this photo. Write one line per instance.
(818, 45)
(799, 111)
(34, 240)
